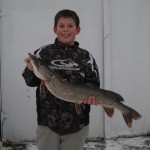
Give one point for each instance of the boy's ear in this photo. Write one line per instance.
(78, 30)
(54, 29)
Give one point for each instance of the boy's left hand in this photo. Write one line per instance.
(91, 101)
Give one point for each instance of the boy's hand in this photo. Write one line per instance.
(29, 65)
(91, 101)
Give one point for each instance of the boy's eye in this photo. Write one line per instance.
(63, 26)
(70, 26)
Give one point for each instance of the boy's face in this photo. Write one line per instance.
(66, 30)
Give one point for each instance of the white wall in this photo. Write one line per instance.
(129, 59)
(25, 26)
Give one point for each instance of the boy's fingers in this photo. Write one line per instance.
(91, 100)
(27, 60)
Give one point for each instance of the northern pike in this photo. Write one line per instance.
(77, 93)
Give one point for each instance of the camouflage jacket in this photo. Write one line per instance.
(74, 64)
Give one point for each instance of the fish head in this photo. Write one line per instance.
(41, 70)
(34, 61)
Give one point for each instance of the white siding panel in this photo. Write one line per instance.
(129, 62)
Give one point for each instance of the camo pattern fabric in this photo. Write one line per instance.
(74, 64)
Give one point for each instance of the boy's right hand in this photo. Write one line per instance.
(29, 65)
(91, 101)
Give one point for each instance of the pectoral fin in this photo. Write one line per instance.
(42, 90)
(42, 87)
(109, 111)
(78, 108)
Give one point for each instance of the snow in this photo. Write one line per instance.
(140, 143)
(31, 147)
(136, 143)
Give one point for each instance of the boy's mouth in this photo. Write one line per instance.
(65, 35)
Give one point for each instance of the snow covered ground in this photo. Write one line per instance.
(136, 143)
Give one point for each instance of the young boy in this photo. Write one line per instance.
(60, 125)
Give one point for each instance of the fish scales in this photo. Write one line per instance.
(77, 93)
(63, 89)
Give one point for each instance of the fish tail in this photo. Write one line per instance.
(109, 111)
(129, 115)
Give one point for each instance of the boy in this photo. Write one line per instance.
(60, 125)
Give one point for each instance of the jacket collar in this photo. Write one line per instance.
(65, 46)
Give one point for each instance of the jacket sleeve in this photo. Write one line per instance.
(30, 79)
(92, 77)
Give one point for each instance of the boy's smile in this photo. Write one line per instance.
(66, 31)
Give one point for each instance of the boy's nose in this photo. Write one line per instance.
(65, 28)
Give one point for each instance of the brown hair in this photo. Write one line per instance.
(67, 13)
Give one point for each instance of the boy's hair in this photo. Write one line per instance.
(66, 13)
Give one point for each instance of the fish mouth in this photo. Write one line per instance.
(33, 60)
(31, 56)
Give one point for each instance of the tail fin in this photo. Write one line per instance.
(129, 115)
(109, 111)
